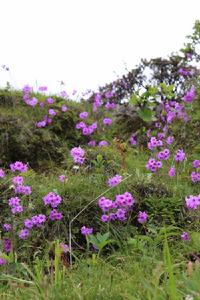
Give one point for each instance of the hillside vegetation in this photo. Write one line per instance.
(100, 199)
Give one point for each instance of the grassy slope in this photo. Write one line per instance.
(136, 267)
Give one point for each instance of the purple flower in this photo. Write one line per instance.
(64, 108)
(14, 201)
(121, 214)
(103, 143)
(38, 220)
(52, 199)
(32, 102)
(92, 143)
(163, 155)
(2, 261)
(172, 172)
(153, 165)
(7, 245)
(28, 223)
(52, 112)
(195, 177)
(110, 105)
(2, 173)
(190, 95)
(41, 124)
(62, 178)
(23, 234)
(180, 155)
(105, 218)
(86, 231)
(42, 88)
(17, 209)
(133, 140)
(7, 227)
(107, 121)
(23, 190)
(17, 180)
(80, 125)
(192, 202)
(18, 166)
(78, 155)
(64, 247)
(64, 94)
(142, 217)
(83, 115)
(27, 89)
(50, 100)
(113, 181)
(105, 204)
(170, 140)
(109, 94)
(185, 236)
(196, 163)
(184, 72)
(55, 215)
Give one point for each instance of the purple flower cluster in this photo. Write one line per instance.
(37, 220)
(86, 130)
(110, 105)
(196, 163)
(64, 108)
(7, 245)
(174, 110)
(52, 112)
(192, 202)
(142, 217)
(103, 144)
(42, 88)
(92, 143)
(23, 189)
(26, 96)
(163, 155)
(195, 177)
(18, 166)
(86, 231)
(78, 155)
(184, 72)
(49, 100)
(154, 143)
(61, 178)
(97, 102)
(107, 121)
(7, 227)
(185, 236)
(172, 172)
(2, 261)
(133, 140)
(113, 181)
(153, 165)
(52, 199)
(116, 210)
(169, 140)
(55, 215)
(180, 155)
(190, 95)
(2, 173)
(24, 234)
(83, 115)
(14, 203)
(17, 180)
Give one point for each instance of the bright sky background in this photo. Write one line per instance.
(86, 43)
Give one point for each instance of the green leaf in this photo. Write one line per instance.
(145, 114)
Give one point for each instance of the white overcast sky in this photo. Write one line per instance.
(86, 43)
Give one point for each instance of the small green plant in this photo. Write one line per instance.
(100, 241)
